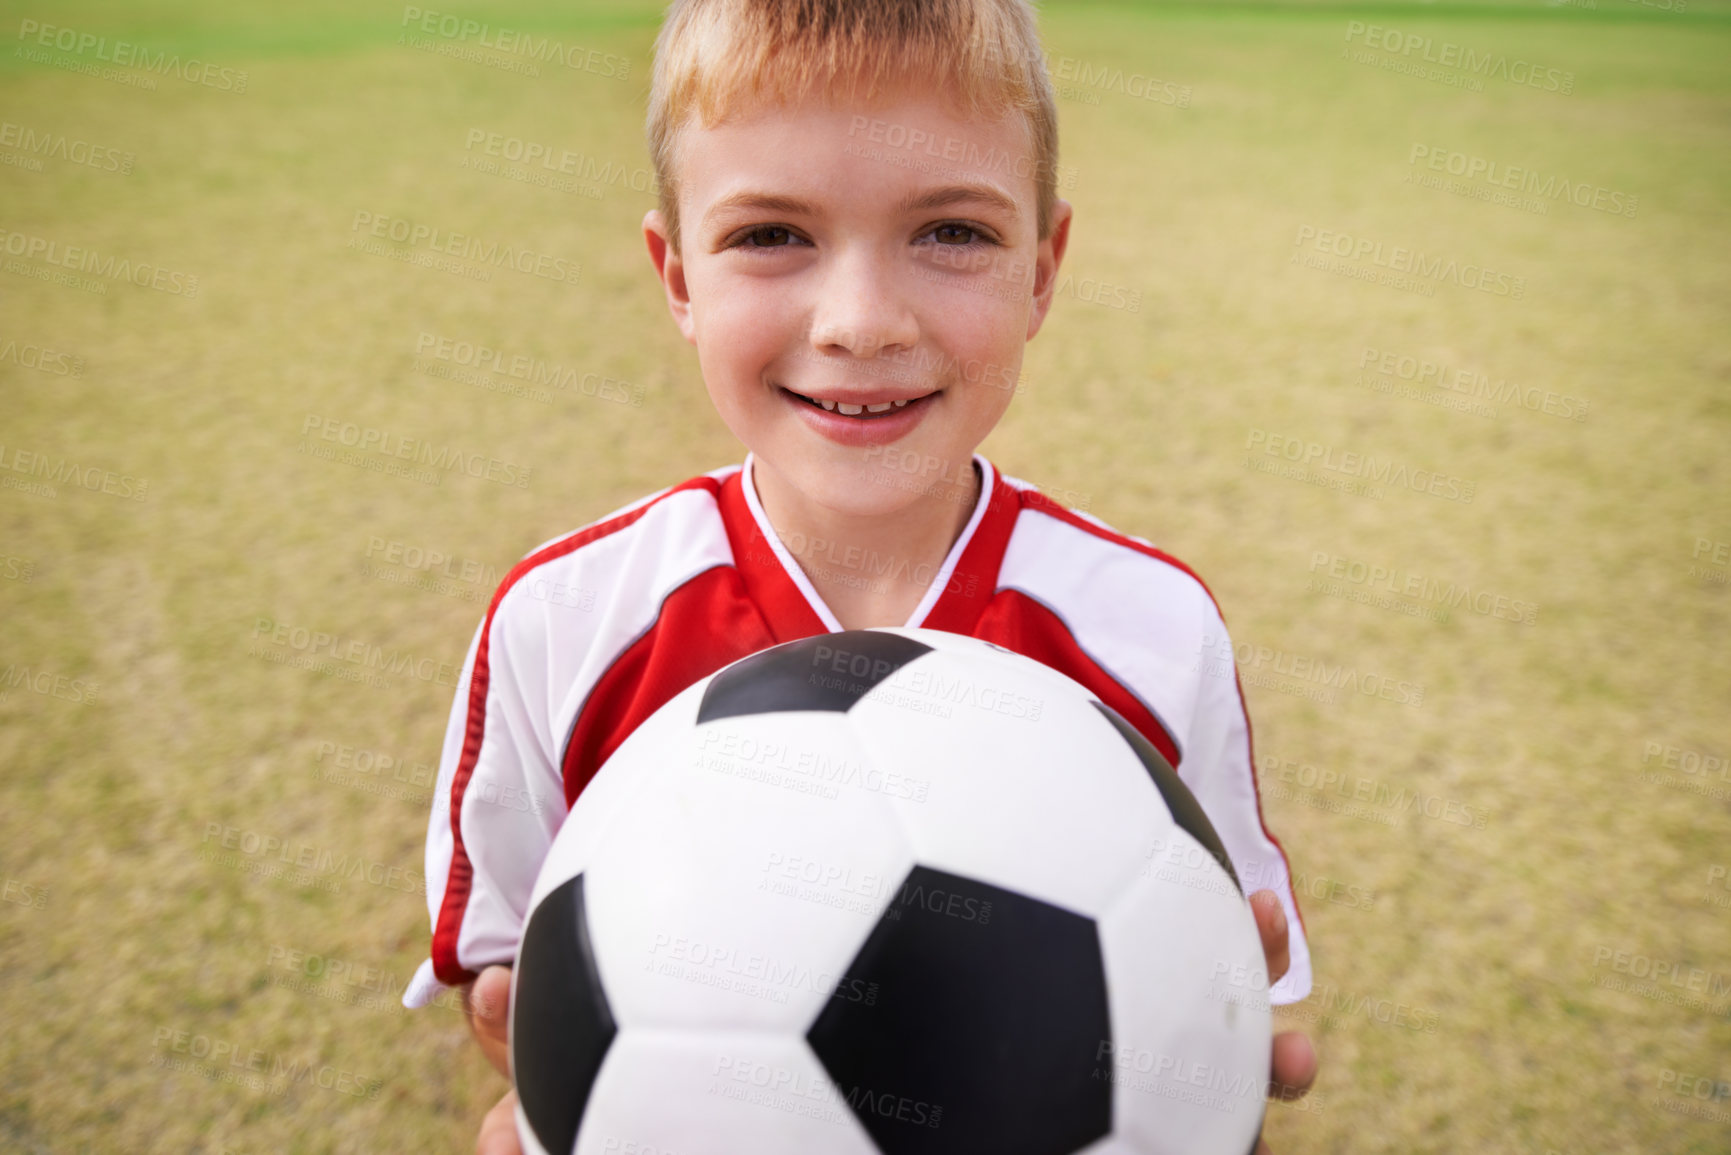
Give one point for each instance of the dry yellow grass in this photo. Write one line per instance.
(121, 928)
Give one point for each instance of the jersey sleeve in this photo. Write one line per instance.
(498, 802)
(1218, 767)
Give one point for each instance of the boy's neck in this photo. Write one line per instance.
(870, 571)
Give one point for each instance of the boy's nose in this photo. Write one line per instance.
(859, 311)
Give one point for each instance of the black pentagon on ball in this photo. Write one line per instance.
(972, 1020)
(561, 1025)
(1186, 811)
(825, 672)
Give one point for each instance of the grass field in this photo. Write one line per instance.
(1495, 861)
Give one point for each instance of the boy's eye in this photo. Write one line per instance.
(767, 237)
(954, 234)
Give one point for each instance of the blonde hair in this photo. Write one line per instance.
(713, 55)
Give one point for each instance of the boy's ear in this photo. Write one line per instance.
(670, 269)
(1047, 259)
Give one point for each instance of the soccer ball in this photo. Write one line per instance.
(896, 891)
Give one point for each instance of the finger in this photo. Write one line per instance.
(488, 1006)
(499, 1129)
(1271, 924)
(1262, 1147)
(1292, 1066)
(490, 1000)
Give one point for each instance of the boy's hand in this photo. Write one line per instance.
(1292, 1066)
(486, 1003)
(499, 1129)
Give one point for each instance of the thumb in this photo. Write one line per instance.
(489, 1013)
(490, 1000)
(1276, 935)
(499, 1129)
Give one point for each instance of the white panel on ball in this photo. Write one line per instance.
(681, 890)
(764, 1094)
(1024, 773)
(1191, 1024)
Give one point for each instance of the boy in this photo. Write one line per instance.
(859, 231)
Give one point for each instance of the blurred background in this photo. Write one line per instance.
(1405, 325)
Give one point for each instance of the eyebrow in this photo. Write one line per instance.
(937, 198)
(940, 198)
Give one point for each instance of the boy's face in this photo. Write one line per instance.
(844, 256)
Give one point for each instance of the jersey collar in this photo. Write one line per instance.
(953, 601)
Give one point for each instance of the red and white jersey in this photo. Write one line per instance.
(591, 633)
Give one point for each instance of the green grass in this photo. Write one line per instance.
(1492, 932)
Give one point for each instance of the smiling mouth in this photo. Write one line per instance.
(858, 410)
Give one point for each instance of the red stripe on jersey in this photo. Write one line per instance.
(702, 626)
(789, 616)
(1039, 501)
(458, 881)
(975, 578)
(1018, 622)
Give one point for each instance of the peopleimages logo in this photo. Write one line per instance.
(961, 151)
(1448, 54)
(438, 241)
(316, 644)
(459, 30)
(59, 146)
(535, 371)
(433, 562)
(1471, 383)
(1518, 178)
(252, 1067)
(41, 359)
(56, 470)
(1329, 569)
(1364, 467)
(39, 35)
(82, 259)
(1419, 264)
(1219, 657)
(395, 447)
(1275, 771)
(559, 161)
(1662, 972)
(309, 857)
(49, 684)
(1072, 76)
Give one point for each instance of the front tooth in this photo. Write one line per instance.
(881, 407)
(830, 405)
(849, 410)
(899, 404)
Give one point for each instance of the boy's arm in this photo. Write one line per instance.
(1217, 766)
(498, 802)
